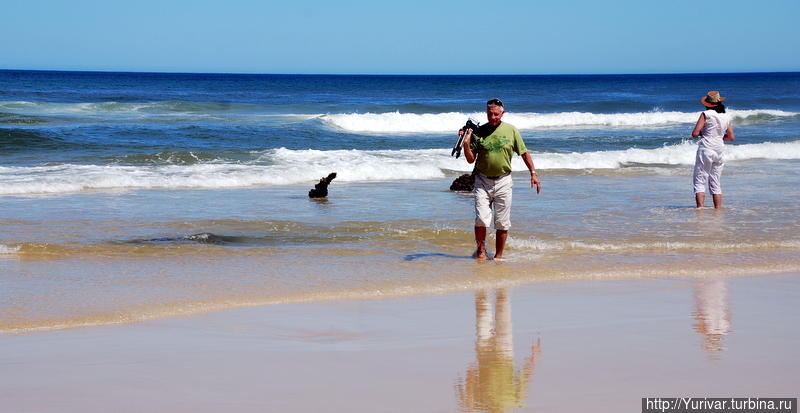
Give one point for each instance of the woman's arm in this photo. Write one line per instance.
(729, 135)
(699, 126)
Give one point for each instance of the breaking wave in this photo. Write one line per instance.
(24, 112)
(396, 122)
(289, 167)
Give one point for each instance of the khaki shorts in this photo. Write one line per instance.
(493, 193)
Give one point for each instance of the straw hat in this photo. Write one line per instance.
(712, 99)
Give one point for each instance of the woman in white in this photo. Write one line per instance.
(713, 128)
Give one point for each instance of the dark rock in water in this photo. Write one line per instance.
(209, 238)
(321, 189)
(463, 183)
(202, 238)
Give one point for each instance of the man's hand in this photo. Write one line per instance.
(535, 183)
(467, 136)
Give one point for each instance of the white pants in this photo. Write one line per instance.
(493, 192)
(708, 169)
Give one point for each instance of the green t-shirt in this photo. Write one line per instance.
(494, 151)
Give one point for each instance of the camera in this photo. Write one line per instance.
(471, 124)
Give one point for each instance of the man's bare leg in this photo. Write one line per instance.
(717, 200)
(480, 239)
(700, 199)
(500, 242)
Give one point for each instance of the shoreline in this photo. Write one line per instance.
(179, 310)
(601, 344)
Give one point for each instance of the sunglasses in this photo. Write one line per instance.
(495, 102)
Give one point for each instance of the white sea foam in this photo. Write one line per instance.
(156, 111)
(539, 245)
(288, 167)
(682, 154)
(6, 250)
(396, 122)
(274, 167)
(100, 108)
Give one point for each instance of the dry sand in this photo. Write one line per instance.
(575, 346)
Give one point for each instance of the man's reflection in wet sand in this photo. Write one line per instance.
(712, 316)
(492, 384)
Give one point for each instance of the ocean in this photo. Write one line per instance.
(132, 196)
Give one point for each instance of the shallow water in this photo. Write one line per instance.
(126, 197)
(99, 258)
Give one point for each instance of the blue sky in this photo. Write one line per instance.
(401, 37)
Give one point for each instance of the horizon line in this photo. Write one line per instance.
(391, 74)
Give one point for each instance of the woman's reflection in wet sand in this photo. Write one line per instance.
(491, 384)
(712, 316)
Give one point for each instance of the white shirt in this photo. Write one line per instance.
(714, 130)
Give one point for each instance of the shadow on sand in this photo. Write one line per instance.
(414, 257)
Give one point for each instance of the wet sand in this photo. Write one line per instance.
(585, 345)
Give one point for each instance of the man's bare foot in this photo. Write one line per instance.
(498, 257)
(480, 254)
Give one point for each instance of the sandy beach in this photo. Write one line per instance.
(159, 251)
(550, 346)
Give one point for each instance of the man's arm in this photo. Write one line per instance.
(467, 144)
(535, 183)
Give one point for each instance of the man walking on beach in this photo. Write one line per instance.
(491, 148)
